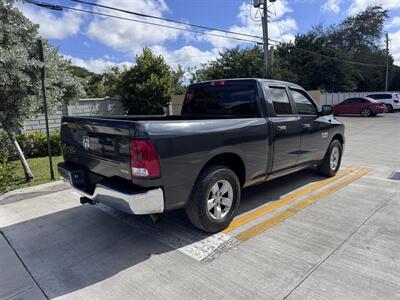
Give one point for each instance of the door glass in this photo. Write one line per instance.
(280, 101)
(304, 104)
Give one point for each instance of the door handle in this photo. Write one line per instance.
(306, 125)
(280, 128)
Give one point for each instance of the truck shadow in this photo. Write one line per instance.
(255, 196)
(78, 247)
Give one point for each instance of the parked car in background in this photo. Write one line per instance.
(363, 106)
(391, 100)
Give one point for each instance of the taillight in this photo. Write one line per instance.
(396, 101)
(144, 159)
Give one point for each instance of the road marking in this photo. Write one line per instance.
(185, 238)
(285, 200)
(261, 227)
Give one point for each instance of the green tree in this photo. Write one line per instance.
(233, 63)
(295, 62)
(178, 88)
(112, 77)
(20, 78)
(360, 36)
(146, 87)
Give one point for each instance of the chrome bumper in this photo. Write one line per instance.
(135, 202)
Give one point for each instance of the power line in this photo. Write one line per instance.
(327, 56)
(58, 6)
(163, 19)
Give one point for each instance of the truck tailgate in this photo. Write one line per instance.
(99, 145)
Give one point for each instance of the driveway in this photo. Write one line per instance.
(298, 237)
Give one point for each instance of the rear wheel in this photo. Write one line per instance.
(215, 198)
(333, 157)
(389, 108)
(366, 112)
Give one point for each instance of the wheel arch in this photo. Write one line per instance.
(338, 137)
(231, 160)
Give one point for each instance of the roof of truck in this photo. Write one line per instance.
(270, 81)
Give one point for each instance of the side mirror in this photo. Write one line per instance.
(326, 110)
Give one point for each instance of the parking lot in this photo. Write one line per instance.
(297, 237)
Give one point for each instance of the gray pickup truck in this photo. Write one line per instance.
(231, 134)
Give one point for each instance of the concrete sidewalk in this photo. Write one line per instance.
(344, 246)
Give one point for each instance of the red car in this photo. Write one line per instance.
(363, 106)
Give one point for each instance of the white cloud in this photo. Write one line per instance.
(187, 56)
(395, 46)
(360, 5)
(130, 36)
(395, 22)
(331, 6)
(96, 65)
(282, 29)
(52, 26)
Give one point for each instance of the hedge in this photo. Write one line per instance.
(33, 144)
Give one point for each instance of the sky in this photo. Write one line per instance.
(95, 42)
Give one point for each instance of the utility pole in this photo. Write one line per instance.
(387, 62)
(264, 21)
(41, 57)
(272, 52)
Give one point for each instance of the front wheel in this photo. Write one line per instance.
(215, 198)
(333, 157)
(389, 108)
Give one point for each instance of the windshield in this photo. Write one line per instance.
(227, 99)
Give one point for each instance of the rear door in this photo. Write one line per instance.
(346, 107)
(313, 134)
(286, 129)
(357, 105)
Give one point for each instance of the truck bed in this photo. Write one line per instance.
(184, 144)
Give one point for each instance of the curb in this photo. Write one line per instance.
(25, 193)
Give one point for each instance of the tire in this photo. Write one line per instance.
(213, 219)
(366, 112)
(389, 108)
(325, 167)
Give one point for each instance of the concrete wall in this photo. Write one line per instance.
(84, 107)
(175, 106)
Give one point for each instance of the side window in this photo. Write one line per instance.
(280, 101)
(351, 101)
(304, 105)
(380, 96)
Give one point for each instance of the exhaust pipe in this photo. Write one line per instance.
(85, 200)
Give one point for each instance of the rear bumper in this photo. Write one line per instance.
(139, 202)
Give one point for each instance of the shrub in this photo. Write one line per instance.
(33, 144)
(7, 171)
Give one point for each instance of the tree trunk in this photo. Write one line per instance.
(25, 166)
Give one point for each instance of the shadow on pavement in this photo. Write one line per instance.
(81, 246)
(75, 248)
(255, 196)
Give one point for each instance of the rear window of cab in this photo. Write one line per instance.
(221, 98)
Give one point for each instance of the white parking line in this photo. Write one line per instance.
(189, 241)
